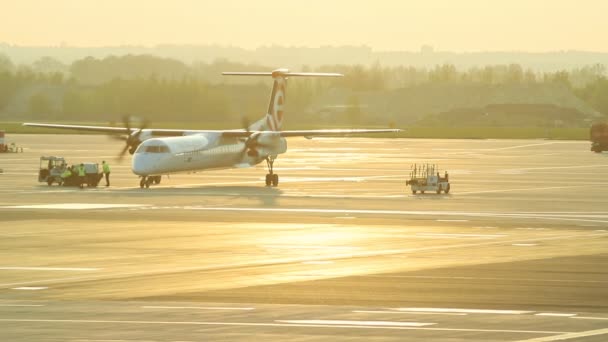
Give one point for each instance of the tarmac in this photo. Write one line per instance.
(341, 250)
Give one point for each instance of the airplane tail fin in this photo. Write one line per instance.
(273, 120)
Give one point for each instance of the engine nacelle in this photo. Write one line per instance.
(266, 143)
(136, 138)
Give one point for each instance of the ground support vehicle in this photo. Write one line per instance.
(426, 177)
(598, 135)
(11, 148)
(8, 148)
(52, 170)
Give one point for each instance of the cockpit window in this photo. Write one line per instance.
(153, 149)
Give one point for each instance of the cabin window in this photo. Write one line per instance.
(156, 149)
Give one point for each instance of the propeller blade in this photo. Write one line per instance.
(246, 123)
(121, 155)
(126, 120)
(118, 137)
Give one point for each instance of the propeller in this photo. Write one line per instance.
(251, 143)
(131, 140)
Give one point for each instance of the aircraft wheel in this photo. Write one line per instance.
(413, 192)
(422, 191)
(439, 189)
(149, 182)
(275, 179)
(268, 179)
(447, 189)
(142, 182)
(157, 179)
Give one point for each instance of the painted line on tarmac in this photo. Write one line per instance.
(410, 313)
(76, 206)
(68, 269)
(523, 189)
(320, 262)
(21, 305)
(554, 314)
(556, 167)
(468, 311)
(196, 308)
(591, 318)
(458, 235)
(279, 325)
(568, 336)
(540, 216)
(519, 146)
(490, 278)
(356, 323)
(30, 288)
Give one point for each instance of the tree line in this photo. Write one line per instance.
(162, 89)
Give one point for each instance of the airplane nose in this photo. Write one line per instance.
(141, 165)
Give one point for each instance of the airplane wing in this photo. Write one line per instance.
(308, 133)
(100, 129)
(227, 133)
(125, 130)
(335, 132)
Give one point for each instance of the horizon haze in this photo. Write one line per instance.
(465, 26)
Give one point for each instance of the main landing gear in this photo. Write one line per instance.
(271, 178)
(149, 180)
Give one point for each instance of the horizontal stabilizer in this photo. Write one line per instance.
(283, 73)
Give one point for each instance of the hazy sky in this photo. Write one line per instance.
(457, 25)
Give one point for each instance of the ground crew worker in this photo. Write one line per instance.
(66, 174)
(106, 172)
(81, 175)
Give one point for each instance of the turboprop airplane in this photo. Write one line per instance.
(158, 152)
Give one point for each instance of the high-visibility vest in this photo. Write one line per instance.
(67, 173)
(106, 168)
(81, 171)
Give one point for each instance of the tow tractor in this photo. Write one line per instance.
(426, 177)
(599, 137)
(52, 168)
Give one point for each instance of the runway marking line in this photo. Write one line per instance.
(356, 323)
(75, 206)
(569, 336)
(489, 278)
(19, 305)
(592, 318)
(289, 325)
(518, 146)
(75, 269)
(30, 288)
(552, 314)
(472, 311)
(197, 308)
(519, 215)
(410, 313)
(461, 235)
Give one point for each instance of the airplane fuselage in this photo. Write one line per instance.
(198, 152)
